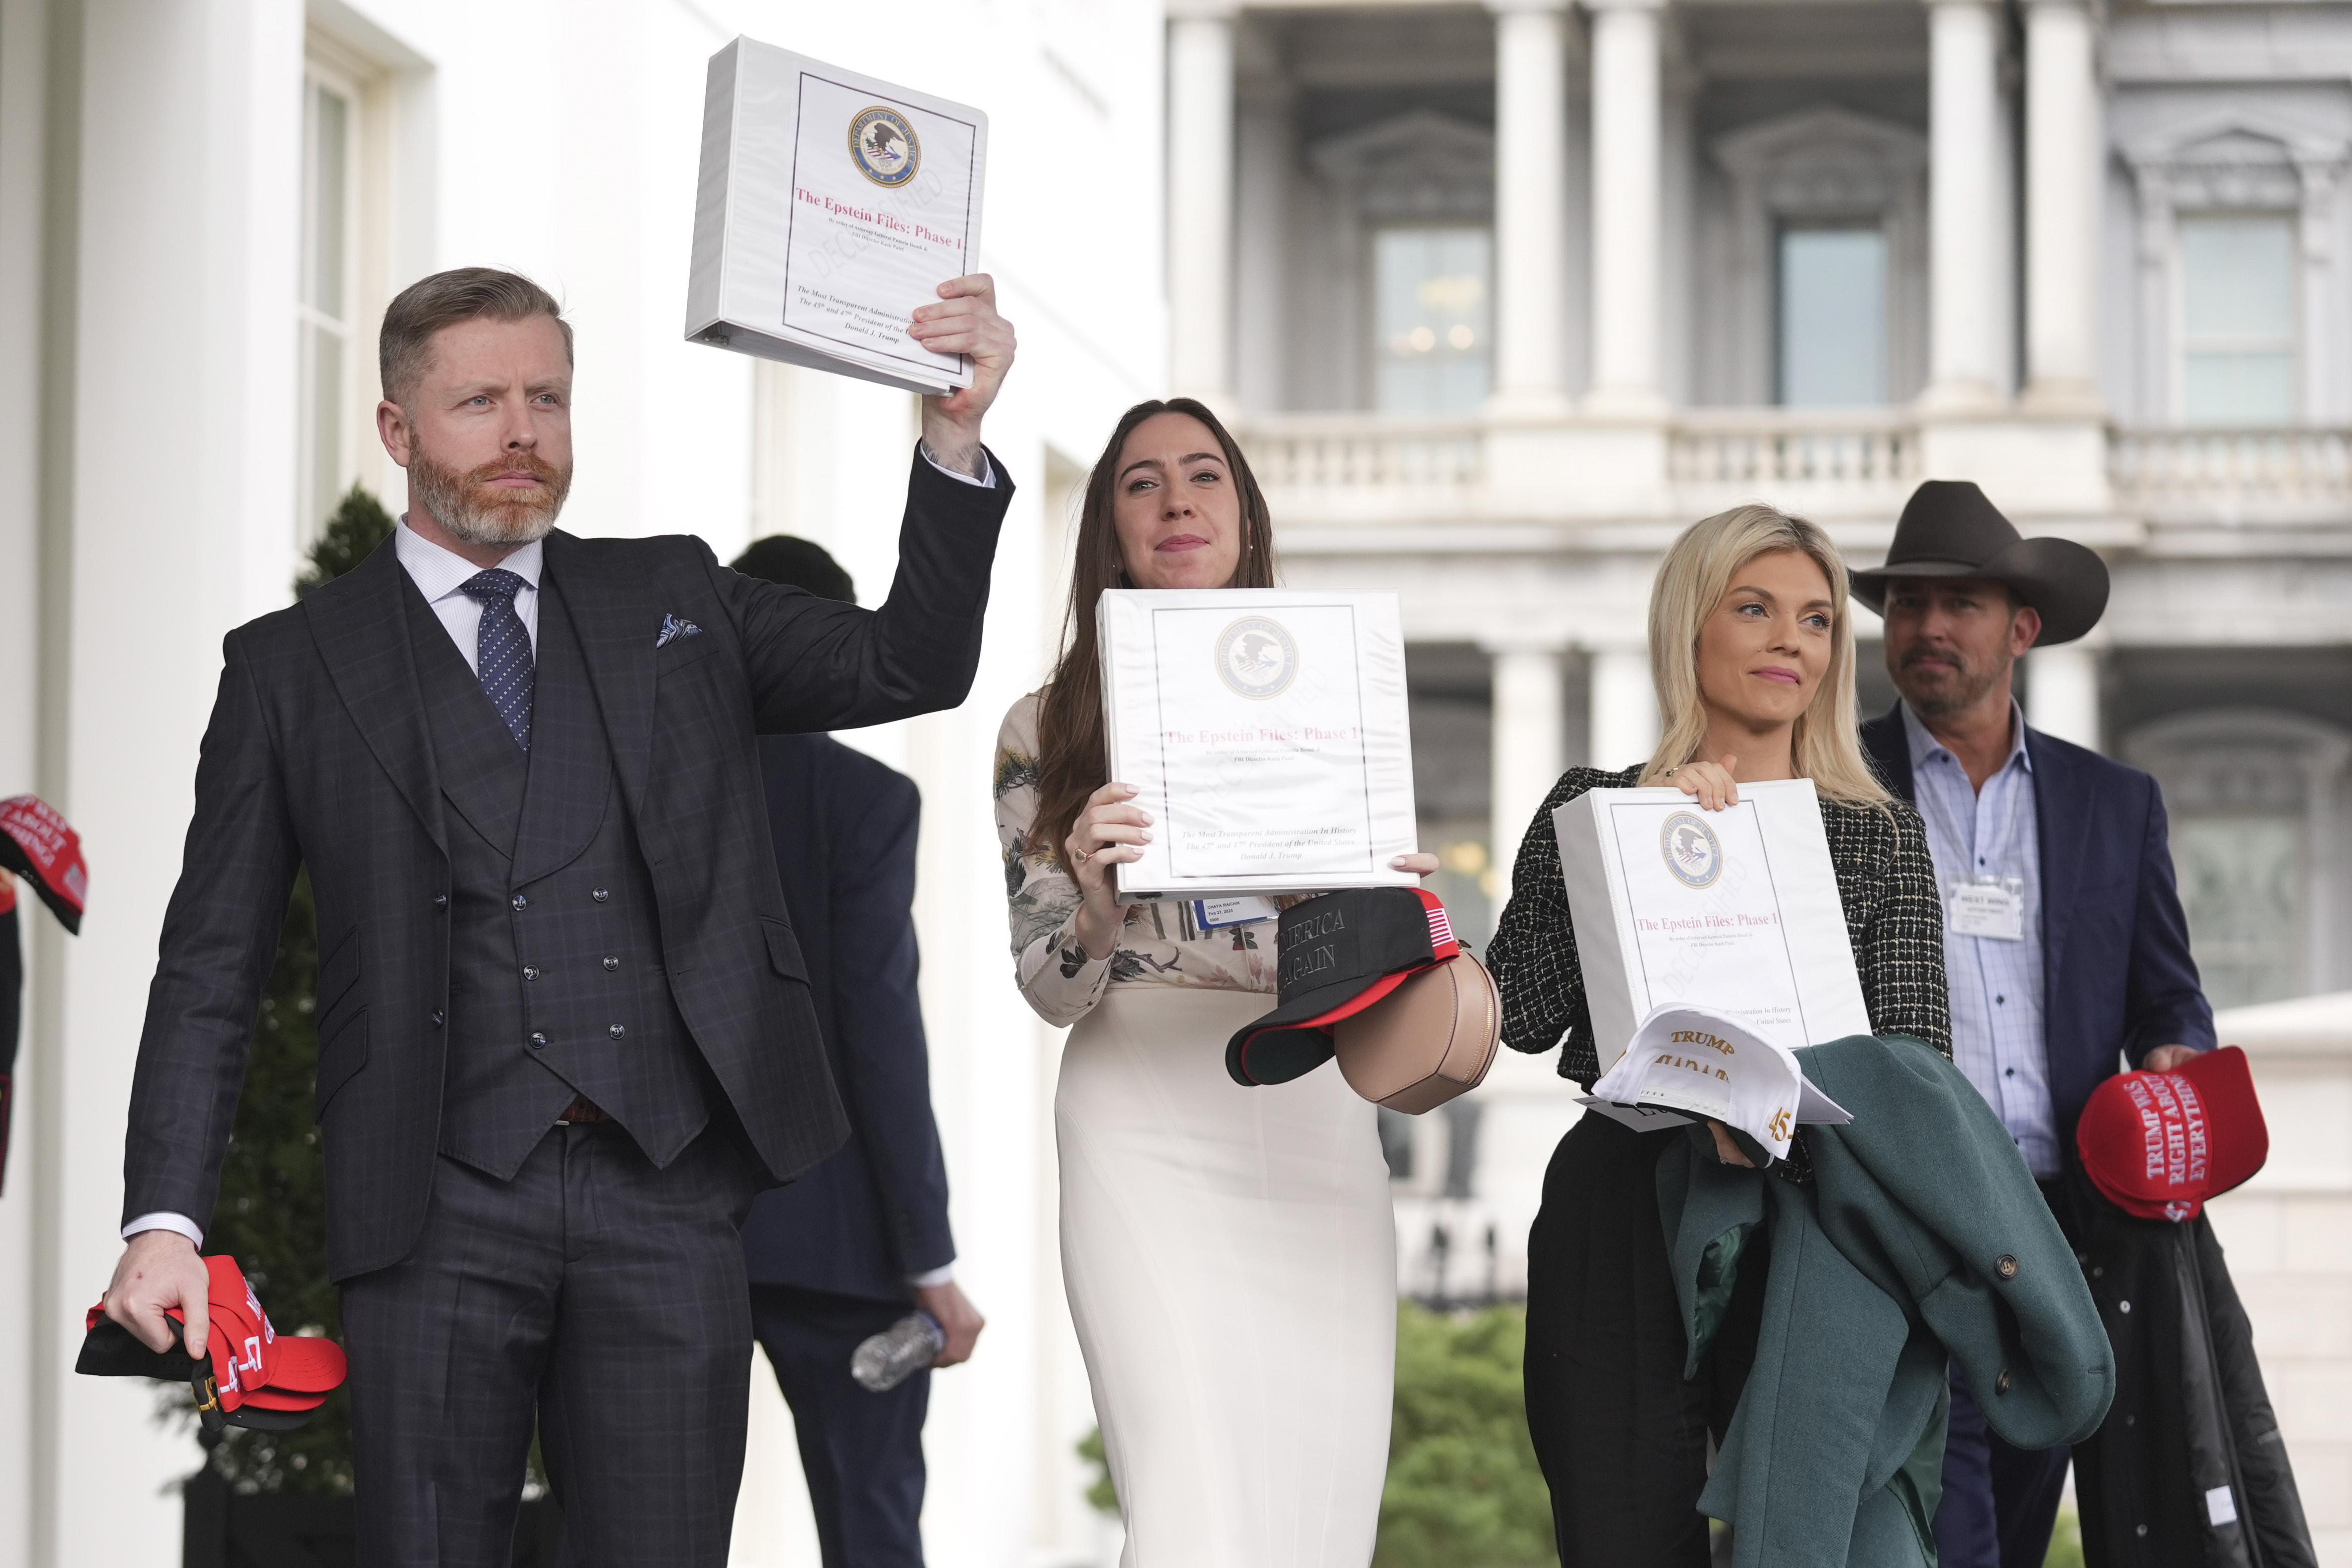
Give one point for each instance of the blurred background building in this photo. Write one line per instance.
(1506, 294)
(1501, 295)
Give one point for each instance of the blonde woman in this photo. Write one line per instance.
(1751, 650)
(1230, 1253)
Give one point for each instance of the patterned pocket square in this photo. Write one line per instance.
(673, 627)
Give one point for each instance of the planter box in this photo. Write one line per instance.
(266, 1529)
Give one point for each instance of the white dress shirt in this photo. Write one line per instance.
(441, 574)
(1995, 984)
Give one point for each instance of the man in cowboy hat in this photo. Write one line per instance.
(2063, 940)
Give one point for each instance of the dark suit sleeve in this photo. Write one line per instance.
(2164, 1002)
(220, 936)
(816, 664)
(888, 1086)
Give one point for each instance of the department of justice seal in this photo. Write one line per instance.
(1692, 851)
(1256, 658)
(884, 146)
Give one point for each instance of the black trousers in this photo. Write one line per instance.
(861, 1451)
(1621, 1437)
(594, 1292)
(2001, 1502)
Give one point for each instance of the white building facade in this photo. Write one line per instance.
(1505, 293)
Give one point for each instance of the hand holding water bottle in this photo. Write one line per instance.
(940, 1331)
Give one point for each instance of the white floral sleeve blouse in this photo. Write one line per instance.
(1161, 944)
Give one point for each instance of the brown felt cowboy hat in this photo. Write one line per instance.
(1949, 529)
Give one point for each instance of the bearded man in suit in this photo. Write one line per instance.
(564, 1026)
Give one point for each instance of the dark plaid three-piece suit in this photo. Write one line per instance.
(503, 931)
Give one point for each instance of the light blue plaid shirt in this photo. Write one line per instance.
(1996, 985)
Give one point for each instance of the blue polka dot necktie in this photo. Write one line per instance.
(502, 650)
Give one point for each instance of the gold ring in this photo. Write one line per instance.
(1082, 856)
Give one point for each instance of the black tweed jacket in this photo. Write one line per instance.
(1885, 881)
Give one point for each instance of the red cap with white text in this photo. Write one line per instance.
(2158, 1144)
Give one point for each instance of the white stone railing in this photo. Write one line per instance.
(1859, 449)
(2207, 465)
(1854, 451)
(1398, 469)
(1364, 451)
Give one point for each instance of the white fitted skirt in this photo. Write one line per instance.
(1230, 1254)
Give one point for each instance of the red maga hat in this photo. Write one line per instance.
(252, 1375)
(2158, 1144)
(40, 846)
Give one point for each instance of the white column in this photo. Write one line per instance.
(2063, 147)
(1624, 728)
(1530, 202)
(2061, 692)
(1201, 204)
(1967, 264)
(1529, 749)
(1626, 172)
(177, 133)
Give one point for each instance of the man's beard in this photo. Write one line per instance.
(476, 512)
(1954, 692)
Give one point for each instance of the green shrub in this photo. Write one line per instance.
(1100, 1493)
(2065, 1542)
(1463, 1490)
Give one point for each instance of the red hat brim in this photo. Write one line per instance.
(306, 1365)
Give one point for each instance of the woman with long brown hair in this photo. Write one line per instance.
(1230, 1253)
(1751, 650)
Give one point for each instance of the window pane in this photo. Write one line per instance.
(2242, 887)
(322, 405)
(2238, 278)
(2238, 389)
(1832, 317)
(1433, 319)
(326, 157)
(2237, 321)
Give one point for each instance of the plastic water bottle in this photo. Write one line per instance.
(898, 1353)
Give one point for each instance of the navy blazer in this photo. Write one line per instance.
(2118, 977)
(862, 1221)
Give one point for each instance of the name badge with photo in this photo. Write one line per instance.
(1987, 906)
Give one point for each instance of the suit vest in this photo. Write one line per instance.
(556, 984)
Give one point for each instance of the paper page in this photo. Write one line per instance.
(1266, 735)
(1263, 771)
(884, 200)
(1707, 931)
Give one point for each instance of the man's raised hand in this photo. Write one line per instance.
(964, 322)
